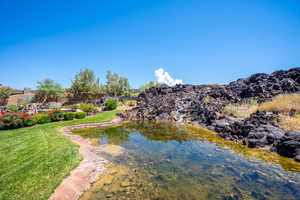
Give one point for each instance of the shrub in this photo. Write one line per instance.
(73, 107)
(130, 103)
(42, 118)
(69, 116)
(87, 107)
(29, 121)
(11, 108)
(12, 120)
(110, 104)
(80, 115)
(2, 125)
(57, 115)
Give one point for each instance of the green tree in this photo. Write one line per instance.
(48, 90)
(85, 86)
(116, 85)
(4, 95)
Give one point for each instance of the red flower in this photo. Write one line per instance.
(26, 115)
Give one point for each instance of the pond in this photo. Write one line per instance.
(169, 161)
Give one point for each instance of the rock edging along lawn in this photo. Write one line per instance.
(80, 178)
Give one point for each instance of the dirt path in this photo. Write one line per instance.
(81, 178)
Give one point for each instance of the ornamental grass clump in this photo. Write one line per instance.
(130, 103)
(87, 107)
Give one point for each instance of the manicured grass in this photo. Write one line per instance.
(34, 160)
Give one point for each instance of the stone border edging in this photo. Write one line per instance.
(81, 178)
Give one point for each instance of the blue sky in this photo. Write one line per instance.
(198, 41)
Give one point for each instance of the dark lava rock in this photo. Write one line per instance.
(258, 130)
(297, 158)
(203, 105)
(263, 135)
(289, 144)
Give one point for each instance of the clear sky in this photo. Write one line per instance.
(198, 41)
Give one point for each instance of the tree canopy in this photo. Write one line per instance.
(116, 85)
(4, 95)
(85, 85)
(48, 90)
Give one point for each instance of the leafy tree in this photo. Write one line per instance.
(85, 85)
(48, 90)
(4, 95)
(116, 85)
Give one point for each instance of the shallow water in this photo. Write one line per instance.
(167, 161)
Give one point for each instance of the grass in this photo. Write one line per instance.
(240, 110)
(34, 160)
(289, 123)
(282, 103)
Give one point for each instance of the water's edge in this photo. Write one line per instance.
(92, 164)
(88, 170)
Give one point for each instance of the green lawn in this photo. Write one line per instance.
(34, 160)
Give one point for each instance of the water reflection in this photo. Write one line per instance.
(171, 161)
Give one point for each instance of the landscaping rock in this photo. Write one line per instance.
(203, 105)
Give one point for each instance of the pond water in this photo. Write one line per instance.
(167, 161)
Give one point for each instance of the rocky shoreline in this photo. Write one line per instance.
(92, 165)
(202, 105)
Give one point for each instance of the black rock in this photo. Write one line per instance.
(289, 144)
(203, 105)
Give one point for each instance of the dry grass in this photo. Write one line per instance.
(240, 110)
(285, 103)
(282, 103)
(289, 123)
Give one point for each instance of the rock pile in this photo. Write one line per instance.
(202, 105)
(265, 86)
(32, 108)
